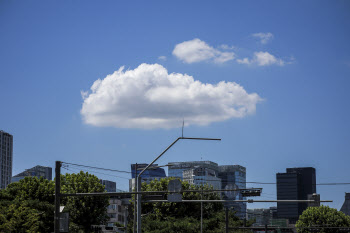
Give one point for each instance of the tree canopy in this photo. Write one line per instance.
(322, 217)
(84, 211)
(28, 205)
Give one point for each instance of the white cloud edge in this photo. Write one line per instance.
(149, 97)
(196, 50)
(264, 37)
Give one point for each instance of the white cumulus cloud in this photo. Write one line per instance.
(197, 50)
(262, 59)
(264, 37)
(149, 97)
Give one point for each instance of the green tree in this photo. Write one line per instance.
(182, 216)
(28, 205)
(322, 216)
(84, 211)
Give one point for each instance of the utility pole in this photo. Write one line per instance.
(57, 195)
(135, 205)
(202, 210)
(226, 216)
(138, 195)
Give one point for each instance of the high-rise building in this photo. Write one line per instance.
(234, 177)
(346, 206)
(220, 177)
(201, 176)
(6, 158)
(38, 171)
(295, 184)
(152, 171)
(177, 168)
(110, 186)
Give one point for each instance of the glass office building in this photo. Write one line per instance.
(234, 176)
(202, 176)
(38, 171)
(295, 184)
(110, 186)
(152, 171)
(222, 177)
(177, 168)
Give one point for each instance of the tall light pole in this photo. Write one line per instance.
(138, 180)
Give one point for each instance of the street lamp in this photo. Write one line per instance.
(138, 179)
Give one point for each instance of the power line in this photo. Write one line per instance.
(95, 172)
(225, 180)
(99, 168)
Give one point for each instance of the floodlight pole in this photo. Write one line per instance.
(138, 185)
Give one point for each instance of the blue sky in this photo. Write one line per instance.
(299, 66)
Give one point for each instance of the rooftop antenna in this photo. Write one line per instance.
(183, 125)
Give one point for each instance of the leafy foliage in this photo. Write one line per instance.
(84, 211)
(322, 216)
(28, 205)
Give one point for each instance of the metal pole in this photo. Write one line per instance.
(226, 216)
(138, 180)
(135, 200)
(210, 139)
(57, 196)
(202, 210)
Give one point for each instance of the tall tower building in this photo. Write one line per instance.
(233, 177)
(6, 158)
(295, 184)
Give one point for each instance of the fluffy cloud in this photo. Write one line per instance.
(262, 59)
(196, 51)
(264, 37)
(149, 97)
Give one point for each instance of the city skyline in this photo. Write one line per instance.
(270, 79)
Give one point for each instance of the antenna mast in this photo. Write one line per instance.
(183, 124)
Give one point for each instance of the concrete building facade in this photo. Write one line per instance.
(6, 158)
